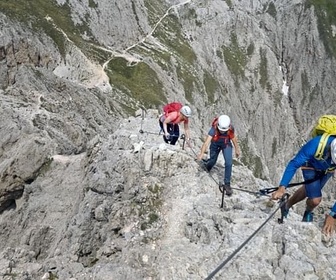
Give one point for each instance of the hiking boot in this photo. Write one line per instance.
(205, 161)
(308, 216)
(203, 164)
(228, 190)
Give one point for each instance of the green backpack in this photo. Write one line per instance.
(325, 126)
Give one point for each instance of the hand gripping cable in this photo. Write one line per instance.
(282, 206)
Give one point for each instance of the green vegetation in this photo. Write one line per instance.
(153, 217)
(45, 167)
(325, 11)
(11, 275)
(234, 57)
(139, 81)
(153, 205)
(39, 10)
(257, 167)
(155, 11)
(254, 162)
(305, 85)
(92, 4)
(250, 49)
(308, 94)
(263, 72)
(188, 80)
(135, 13)
(161, 57)
(154, 189)
(192, 14)
(229, 3)
(52, 276)
(170, 34)
(270, 9)
(211, 86)
(277, 97)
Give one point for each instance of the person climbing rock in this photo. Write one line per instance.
(170, 120)
(221, 136)
(318, 171)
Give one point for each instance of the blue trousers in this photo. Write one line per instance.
(226, 149)
(314, 189)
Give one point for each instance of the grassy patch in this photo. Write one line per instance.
(325, 11)
(253, 162)
(148, 211)
(188, 81)
(36, 19)
(229, 3)
(250, 49)
(234, 57)
(309, 93)
(277, 97)
(169, 33)
(139, 81)
(211, 86)
(155, 11)
(263, 71)
(306, 89)
(271, 10)
(92, 4)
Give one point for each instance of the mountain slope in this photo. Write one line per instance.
(84, 194)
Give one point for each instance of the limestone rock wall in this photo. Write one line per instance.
(87, 187)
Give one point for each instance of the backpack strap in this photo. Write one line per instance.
(321, 146)
(214, 122)
(175, 119)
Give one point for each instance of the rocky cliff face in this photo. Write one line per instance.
(85, 195)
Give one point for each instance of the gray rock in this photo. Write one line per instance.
(88, 190)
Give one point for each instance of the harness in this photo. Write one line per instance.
(225, 137)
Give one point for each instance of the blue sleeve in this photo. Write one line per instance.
(212, 132)
(305, 154)
(334, 207)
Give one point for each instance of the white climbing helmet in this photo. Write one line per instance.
(223, 123)
(333, 150)
(186, 111)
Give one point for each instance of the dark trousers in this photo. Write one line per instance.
(226, 149)
(174, 132)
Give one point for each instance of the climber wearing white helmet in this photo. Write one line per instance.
(221, 136)
(170, 120)
(316, 170)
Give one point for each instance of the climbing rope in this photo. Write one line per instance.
(281, 204)
(258, 193)
(150, 132)
(318, 176)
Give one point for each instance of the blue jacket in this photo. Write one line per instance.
(305, 157)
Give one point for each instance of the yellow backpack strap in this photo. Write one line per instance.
(320, 149)
(330, 169)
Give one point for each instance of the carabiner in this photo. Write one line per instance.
(268, 190)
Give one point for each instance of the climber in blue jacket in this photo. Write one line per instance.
(317, 172)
